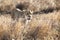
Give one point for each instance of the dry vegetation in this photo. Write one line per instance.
(43, 26)
(48, 25)
(33, 5)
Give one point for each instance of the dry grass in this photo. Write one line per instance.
(34, 5)
(41, 27)
(6, 5)
(9, 28)
(48, 25)
(5, 27)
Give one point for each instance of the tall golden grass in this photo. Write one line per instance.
(41, 27)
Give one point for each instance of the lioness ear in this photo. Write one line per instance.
(22, 6)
